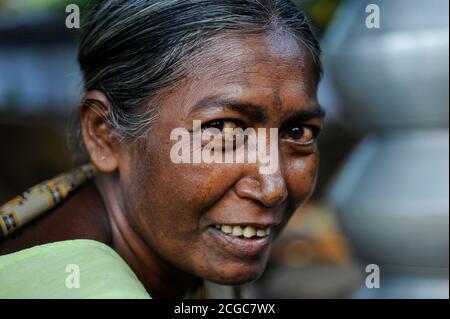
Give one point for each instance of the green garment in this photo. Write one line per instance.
(53, 270)
(43, 271)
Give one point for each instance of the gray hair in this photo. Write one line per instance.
(131, 49)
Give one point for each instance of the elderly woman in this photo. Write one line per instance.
(146, 224)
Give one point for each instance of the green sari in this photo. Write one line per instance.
(74, 268)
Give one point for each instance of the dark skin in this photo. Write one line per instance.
(158, 215)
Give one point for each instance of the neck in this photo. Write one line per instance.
(160, 279)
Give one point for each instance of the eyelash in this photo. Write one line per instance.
(210, 124)
(314, 130)
(220, 125)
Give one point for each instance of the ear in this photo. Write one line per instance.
(98, 137)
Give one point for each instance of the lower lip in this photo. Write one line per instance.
(240, 247)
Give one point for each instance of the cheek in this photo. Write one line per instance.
(301, 174)
(174, 195)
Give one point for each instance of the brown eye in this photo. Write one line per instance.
(297, 132)
(214, 124)
(301, 134)
(220, 125)
(226, 128)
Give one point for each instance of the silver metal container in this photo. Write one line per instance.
(392, 196)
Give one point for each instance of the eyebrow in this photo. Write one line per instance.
(255, 111)
(251, 110)
(315, 111)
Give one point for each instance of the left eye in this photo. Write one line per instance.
(220, 125)
(226, 127)
(301, 134)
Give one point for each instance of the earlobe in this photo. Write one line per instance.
(98, 137)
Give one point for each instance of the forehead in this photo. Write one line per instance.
(264, 69)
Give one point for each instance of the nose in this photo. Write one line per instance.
(268, 189)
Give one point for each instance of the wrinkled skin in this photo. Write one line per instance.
(160, 214)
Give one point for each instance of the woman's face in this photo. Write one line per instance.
(177, 209)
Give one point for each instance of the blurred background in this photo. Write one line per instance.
(383, 190)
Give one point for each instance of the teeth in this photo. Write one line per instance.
(249, 232)
(237, 231)
(226, 229)
(245, 231)
(261, 232)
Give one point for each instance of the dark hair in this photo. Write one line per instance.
(130, 49)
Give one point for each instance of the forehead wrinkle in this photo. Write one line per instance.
(277, 100)
(240, 57)
(255, 80)
(236, 63)
(254, 75)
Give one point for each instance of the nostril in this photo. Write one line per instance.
(251, 189)
(273, 199)
(270, 193)
(274, 190)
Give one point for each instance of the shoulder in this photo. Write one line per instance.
(68, 269)
(81, 216)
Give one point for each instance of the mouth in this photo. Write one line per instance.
(242, 241)
(244, 231)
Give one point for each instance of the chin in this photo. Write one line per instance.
(237, 274)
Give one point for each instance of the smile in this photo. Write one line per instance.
(244, 231)
(242, 241)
